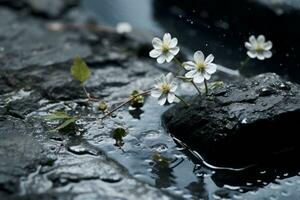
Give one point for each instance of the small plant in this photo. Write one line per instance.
(103, 106)
(257, 48)
(137, 99)
(165, 88)
(118, 134)
(67, 120)
(198, 71)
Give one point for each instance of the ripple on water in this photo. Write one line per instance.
(160, 147)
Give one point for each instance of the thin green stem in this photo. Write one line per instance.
(88, 95)
(178, 62)
(182, 100)
(125, 103)
(206, 87)
(192, 82)
(244, 63)
(198, 90)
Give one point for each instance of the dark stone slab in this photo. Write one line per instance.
(19, 153)
(241, 123)
(44, 8)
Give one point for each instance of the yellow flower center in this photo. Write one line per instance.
(165, 48)
(259, 47)
(201, 67)
(165, 88)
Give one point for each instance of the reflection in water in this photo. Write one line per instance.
(136, 113)
(198, 189)
(164, 176)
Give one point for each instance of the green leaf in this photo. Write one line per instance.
(119, 133)
(65, 124)
(216, 84)
(79, 70)
(58, 115)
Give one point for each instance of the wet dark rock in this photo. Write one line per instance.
(241, 123)
(35, 78)
(25, 104)
(44, 8)
(35, 46)
(19, 153)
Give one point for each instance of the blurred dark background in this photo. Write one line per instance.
(218, 27)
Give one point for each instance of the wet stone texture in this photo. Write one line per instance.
(84, 163)
(35, 79)
(45, 8)
(242, 123)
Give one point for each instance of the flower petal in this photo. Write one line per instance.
(173, 43)
(198, 78)
(248, 46)
(173, 86)
(210, 58)
(252, 40)
(155, 53)
(162, 100)
(171, 97)
(161, 59)
(174, 50)
(169, 57)
(260, 56)
(261, 39)
(267, 54)
(191, 74)
(156, 93)
(206, 75)
(268, 45)
(199, 57)
(211, 68)
(169, 77)
(157, 43)
(167, 38)
(189, 65)
(252, 53)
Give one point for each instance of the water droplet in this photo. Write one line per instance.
(160, 147)
(80, 150)
(244, 121)
(266, 91)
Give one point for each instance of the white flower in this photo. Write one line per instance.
(123, 27)
(201, 69)
(164, 89)
(259, 48)
(164, 50)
